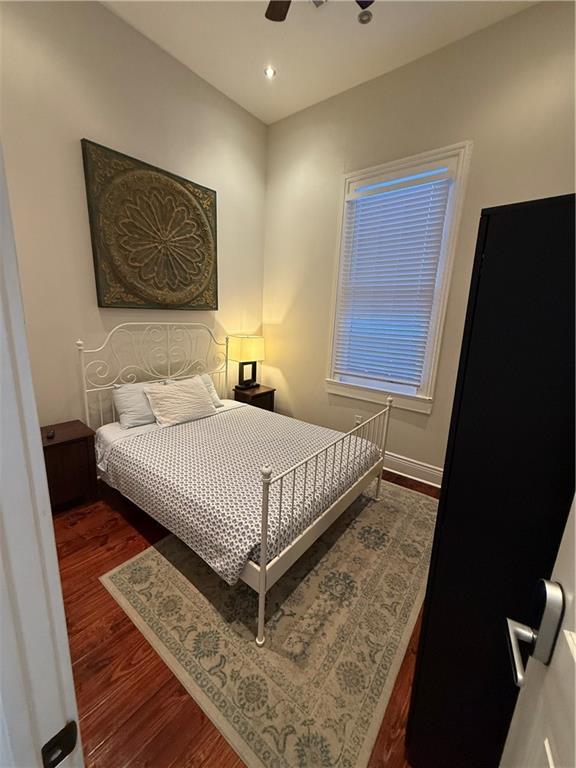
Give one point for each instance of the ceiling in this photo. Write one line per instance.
(317, 52)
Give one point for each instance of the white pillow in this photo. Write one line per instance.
(132, 404)
(180, 401)
(208, 383)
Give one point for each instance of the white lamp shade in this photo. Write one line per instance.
(245, 349)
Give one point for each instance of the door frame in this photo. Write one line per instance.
(37, 695)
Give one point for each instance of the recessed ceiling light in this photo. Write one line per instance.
(365, 17)
(269, 73)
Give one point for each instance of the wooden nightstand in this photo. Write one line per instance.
(70, 462)
(261, 397)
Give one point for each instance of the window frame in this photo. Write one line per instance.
(456, 158)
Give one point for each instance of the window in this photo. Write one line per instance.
(397, 240)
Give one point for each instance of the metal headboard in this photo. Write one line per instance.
(140, 352)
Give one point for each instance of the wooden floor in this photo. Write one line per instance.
(133, 711)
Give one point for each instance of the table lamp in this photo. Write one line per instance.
(246, 351)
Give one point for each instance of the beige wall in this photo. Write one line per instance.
(509, 88)
(73, 70)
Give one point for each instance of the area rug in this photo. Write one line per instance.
(338, 624)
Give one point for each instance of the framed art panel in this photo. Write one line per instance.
(153, 234)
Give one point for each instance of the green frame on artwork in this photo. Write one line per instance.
(153, 234)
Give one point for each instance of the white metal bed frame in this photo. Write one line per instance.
(141, 352)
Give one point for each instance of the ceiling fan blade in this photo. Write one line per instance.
(277, 10)
(364, 3)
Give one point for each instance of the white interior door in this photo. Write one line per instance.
(36, 687)
(541, 734)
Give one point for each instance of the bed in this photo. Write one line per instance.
(248, 490)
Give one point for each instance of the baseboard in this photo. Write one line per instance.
(418, 470)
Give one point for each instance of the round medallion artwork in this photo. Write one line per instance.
(158, 237)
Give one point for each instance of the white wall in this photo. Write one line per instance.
(509, 88)
(73, 70)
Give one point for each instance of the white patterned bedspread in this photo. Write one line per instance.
(202, 479)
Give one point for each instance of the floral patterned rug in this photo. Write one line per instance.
(338, 623)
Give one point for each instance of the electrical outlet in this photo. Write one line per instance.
(357, 420)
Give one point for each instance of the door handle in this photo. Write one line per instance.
(518, 633)
(549, 615)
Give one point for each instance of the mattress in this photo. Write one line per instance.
(202, 479)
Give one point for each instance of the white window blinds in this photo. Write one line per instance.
(391, 248)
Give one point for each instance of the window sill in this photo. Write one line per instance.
(417, 403)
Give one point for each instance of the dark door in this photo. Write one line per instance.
(508, 482)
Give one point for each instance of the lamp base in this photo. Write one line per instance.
(247, 385)
(246, 382)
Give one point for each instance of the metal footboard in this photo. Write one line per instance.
(295, 502)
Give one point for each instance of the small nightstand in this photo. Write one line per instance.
(70, 462)
(261, 397)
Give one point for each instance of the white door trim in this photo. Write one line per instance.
(36, 687)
